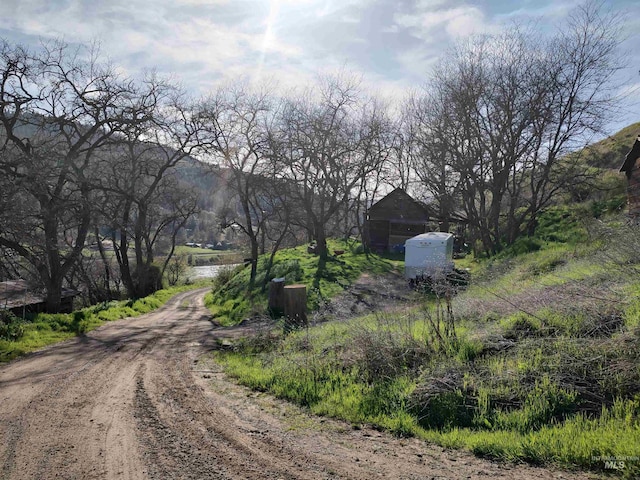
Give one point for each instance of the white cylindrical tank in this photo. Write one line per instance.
(428, 255)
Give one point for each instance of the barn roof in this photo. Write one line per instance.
(630, 159)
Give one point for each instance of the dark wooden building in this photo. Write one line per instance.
(394, 219)
(631, 168)
(16, 296)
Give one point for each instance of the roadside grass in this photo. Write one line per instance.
(544, 367)
(42, 329)
(230, 302)
(567, 402)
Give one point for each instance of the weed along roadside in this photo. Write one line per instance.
(539, 365)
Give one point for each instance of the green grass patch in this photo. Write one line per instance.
(230, 300)
(578, 442)
(515, 406)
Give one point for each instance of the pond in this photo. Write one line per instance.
(208, 271)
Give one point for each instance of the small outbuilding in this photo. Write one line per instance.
(17, 297)
(631, 168)
(394, 219)
(428, 255)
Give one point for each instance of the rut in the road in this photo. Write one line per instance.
(165, 452)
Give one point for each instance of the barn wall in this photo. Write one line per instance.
(633, 190)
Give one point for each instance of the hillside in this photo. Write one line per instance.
(610, 152)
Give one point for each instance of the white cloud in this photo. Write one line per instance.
(201, 3)
(422, 5)
(418, 61)
(456, 22)
(551, 12)
(466, 21)
(204, 42)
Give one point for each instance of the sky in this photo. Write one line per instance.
(392, 45)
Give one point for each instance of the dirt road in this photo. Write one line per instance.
(134, 400)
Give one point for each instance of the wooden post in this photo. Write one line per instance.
(276, 297)
(295, 307)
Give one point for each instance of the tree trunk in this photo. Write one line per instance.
(254, 261)
(53, 298)
(105, 263)
(276, 297)
(321, 240)
(295, 306)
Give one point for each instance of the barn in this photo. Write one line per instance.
(631, 168)
(394, 219)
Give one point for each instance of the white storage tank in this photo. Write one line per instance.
(428, 255)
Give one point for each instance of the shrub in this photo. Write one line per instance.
(224, 276)
(546, 263)
(521, 325)
(468, 350)
(601, 207)
(524, 245)
(442, 401)
(386, 354)
(444, 410)
(290, 269)
(11, 327)
(357, 249)
(545, 404)
(80, 324)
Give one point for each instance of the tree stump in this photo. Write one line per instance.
(295, 307)
(276, 297)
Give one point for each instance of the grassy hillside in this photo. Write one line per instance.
(230, 302)
(538, 360)
(610, 152)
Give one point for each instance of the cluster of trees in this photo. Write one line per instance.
(300, 163)
(485, 141)
(85, 151)
(490, 135)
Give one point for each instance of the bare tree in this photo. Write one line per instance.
(143, 200)
(58, 106)
(237, 118)
(327, 144)
(427, 130)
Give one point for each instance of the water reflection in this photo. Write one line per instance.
(207, 271)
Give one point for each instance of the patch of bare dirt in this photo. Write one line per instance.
(138, 399)
(370, 293)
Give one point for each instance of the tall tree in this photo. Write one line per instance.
(426, 128)
(237, 119)
(142, 198)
